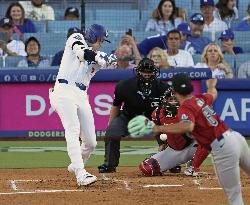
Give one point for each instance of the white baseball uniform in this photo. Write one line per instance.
(70, 100)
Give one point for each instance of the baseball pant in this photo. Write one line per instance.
(74, 110)
(229, 154)
(170, 158)
(116, 129)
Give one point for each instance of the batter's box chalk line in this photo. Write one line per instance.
(126, 184)
(198, 183)
(15, 190)
(162, 185)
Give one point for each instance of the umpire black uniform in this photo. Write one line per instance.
(139, 95)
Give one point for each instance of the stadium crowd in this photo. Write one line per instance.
(212, 36)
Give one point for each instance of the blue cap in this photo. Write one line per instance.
(227, 34)
(6, 22)
(184, 28)
(73, 30)
(206, 2)
(95, 32)
(197, 18)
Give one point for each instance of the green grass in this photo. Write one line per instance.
(59, 158)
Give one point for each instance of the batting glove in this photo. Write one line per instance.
(140, 126)
(102, 59)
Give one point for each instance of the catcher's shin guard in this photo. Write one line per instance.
(150, 167)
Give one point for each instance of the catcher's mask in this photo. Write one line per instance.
(170, 103)
(146, 73)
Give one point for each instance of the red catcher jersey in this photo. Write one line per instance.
(208, 124)
(175, 141)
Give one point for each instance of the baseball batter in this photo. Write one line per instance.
(80, 62)
(229, 148)
(180, 147)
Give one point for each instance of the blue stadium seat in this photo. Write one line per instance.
(230, 59)
(195, 7)
(110, 14)
(40, 26)
(118, 20)
(62, 26)
(242, 8)
(141, 35)
(186, 5)
(153, 4)
(117, 25)
(145, 16)
(1, 62)
(12, 61)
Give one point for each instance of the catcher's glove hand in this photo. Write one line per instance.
(140, 126)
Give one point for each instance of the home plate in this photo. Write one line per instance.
(162, 185)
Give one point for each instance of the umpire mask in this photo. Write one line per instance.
(146, 73)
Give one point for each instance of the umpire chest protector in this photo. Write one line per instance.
(134, 101)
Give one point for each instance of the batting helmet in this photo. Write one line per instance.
(95, 32)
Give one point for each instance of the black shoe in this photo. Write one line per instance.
(176, 169)
(106, 169)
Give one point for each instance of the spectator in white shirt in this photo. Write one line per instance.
(212, 24)
(213, 58)
(37, 10)
(176, 56)
(226, 11)
(163, 18)
(8, 46)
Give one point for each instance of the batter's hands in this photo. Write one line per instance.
(102, 59)
(140, 126)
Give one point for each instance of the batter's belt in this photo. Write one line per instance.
(81, 86)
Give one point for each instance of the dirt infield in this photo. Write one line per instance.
(126, 186)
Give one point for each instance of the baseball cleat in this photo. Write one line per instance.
(190, 172)
(84, 178)
(106, 169)
(176, 169)
(71, 169)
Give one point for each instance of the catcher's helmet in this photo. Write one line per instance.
(95, 32)
(146, 66)
(170, 103)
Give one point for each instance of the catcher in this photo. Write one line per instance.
(177, 149)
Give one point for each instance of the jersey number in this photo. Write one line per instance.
(208, 112)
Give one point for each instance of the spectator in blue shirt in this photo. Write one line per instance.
(22, 25)
(227, 43)
(244, 25)
(196, 41)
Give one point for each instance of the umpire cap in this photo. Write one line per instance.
(182, 84)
